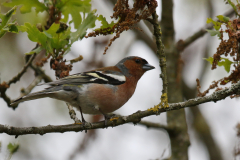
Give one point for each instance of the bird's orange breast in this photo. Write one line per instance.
(110, 97)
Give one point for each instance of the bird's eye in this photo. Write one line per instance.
(137, 61)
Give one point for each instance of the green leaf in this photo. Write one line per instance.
(59, 40)
(213, 33)
(53, 29)
(22, 28)
(40, 37)
(216, 25)
(36, 50)
(5, 18)
(210, 59)
(34, 34)
(209, 20)
(63, 39)
(5, 25)
(55, 39)
(47, 34)
(87, 23)
(13, 28)
(27, 5)
(74, 7)
(12, 148)
(104, 22)
(226, 63)
(49, 39)
(223, 18)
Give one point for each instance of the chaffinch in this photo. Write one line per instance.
(99, 91)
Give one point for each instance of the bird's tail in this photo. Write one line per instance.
(36, 95)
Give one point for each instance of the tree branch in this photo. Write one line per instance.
(176, 119)
(39, 71)
(19, 75)
(35, 82)
(160, 51)
(5, 85)
(154, 125)
(133, 118)
(181, 45)
(40, 74)
(201, 126)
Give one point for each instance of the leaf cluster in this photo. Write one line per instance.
(228, 47)
(225, 62)
(56, 37)
(126, 18)
(222, 20)
(6, 25)
(13, 148)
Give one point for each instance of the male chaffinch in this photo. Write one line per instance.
(99, 91)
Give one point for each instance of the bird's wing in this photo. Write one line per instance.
(96, 76)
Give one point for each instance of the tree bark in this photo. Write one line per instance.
(176, 119)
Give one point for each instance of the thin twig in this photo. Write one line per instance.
(72, 114)
(19, 75)
(181, 45)
(154, 125)
(6, 85)
(160, 51)
(40, 74)
(4, 96)
(35, 82)
(39, 71)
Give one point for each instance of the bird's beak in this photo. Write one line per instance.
(148, 67)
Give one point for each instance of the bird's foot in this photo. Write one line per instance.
(110, 117)
(84, 124)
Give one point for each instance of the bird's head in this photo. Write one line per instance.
(134, 66)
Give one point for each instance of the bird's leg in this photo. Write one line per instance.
(106, 116)
(83, 120)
